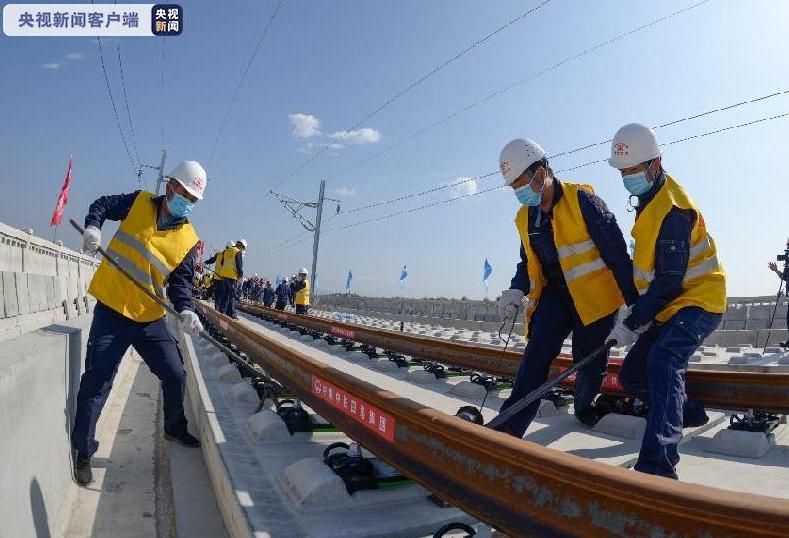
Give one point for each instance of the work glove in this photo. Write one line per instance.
(623, 335)
(190, 323)
(509, 304)
(91, 240)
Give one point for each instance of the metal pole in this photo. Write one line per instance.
(160, 179)
(316, 239)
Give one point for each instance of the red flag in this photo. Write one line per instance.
(63, 198)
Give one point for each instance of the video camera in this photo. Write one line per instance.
(784, 257)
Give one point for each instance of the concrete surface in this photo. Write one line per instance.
(39, 378)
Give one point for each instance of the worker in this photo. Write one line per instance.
(283, 294)
(218, 282)
(268, 294)
(301, 292)
(682, 297)
(156, 244)
(206, 283)
(576, 272)
(230, 269)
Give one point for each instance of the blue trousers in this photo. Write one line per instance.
(226, 297)
(110, 336)
(553, 320)
(654, 372)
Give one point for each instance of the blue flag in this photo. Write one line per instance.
(487, 270)
(349, 280)
(403, 276)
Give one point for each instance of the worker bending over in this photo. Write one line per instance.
(575, 270)
(682, 291)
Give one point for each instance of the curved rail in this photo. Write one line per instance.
(725, 389)
(519, 487)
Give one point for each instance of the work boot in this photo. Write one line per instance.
(694, 415)
(82, 471)
(185, 438)
(592, 415)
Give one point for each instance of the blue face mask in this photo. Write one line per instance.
(637, 184)
(527, 196)
(179, 206)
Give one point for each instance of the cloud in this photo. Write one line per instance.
(330, 149)
(304, 125)
(51, 66)
(365, 135)
(345, 191)
(467, 187)
(76, 56)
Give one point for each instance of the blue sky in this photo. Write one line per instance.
(325, 65)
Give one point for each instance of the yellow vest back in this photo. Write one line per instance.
(704, 284)
(591, 283)
(303, 295)
(149, 254)
(226, 267)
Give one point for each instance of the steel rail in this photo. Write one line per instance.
(726, 389)
(519, 487)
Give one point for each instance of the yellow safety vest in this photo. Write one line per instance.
(591, 283)
(148, 254)
(226, 267)
(207, 281)
(704, 284)
(303, 295)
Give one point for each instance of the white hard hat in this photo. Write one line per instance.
(230, 244)
(633, 144)
(243, 242)
(303, 271)
(517, 156)
(191, 176)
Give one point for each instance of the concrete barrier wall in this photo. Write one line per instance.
(39, 380)
(40, 282)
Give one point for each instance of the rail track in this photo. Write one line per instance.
(518, 487)
(725, 389)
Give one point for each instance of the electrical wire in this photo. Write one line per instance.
(416, 83)
(241, 81)
(112, 101)
(569, 152)
(516, 84)
(128, 109)
(496, 187)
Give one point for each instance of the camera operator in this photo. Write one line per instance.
(783, 275)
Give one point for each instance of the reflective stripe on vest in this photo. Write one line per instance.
(704, 282)
(591, 284)
(147, 254)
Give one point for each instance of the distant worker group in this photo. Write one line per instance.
(575, 276)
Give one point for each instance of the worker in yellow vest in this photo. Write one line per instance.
(230, 269)
(218, 287)
(575, 270)
(682, 296)
(158, 246)
(301, 292)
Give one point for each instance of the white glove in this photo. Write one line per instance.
(190, 323)
(91, 240)
(509, 304)
(622, 335)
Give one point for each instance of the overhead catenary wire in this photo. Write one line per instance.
(128, 108)
(567, 152)
(497, 187)
(507, 89)
(114, 107)
(406, 90)
(241, 81)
